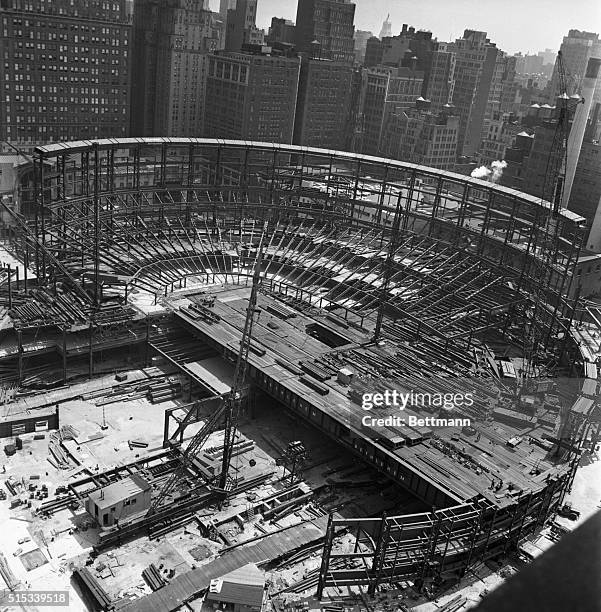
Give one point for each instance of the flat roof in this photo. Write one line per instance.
(119, 491)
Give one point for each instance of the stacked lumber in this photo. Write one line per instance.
(58, 457)
(93, 587)
(9, 578)
(153, 577)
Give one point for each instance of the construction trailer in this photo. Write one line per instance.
(119, 500)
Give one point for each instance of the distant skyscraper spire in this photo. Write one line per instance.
(386, 27)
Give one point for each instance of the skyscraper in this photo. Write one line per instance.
(386, 27)
(576, 49)
(385, 91)
(225, 6)
(325, 29)
(475, 62)
(251, 96)
(70, 82)
(440, 78)
(323, 110)
(241, 25)
(281, 30)
(421, 137)
(171, 40)
(361, 38)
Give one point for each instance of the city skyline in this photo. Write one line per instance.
(447, 21)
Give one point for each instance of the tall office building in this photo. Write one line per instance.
(499, 126)
(410, 48)
(407, 49)
(385, 91)
(585, 199)
(386, 27)
(374, 52)
(439, 82)
(251, 96)
(361, 38)
(532, 154)
(324, 29)
(225, 6)
(70, 81)
(419, 136)
(171, 42)
(281, 31)
(241, 28)
(576, 48)
(475, 63)
(529, 64)
(323, 111)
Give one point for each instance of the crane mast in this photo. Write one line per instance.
(234, 400)
(552, 191)
(230, 407)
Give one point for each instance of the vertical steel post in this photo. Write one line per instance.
(96, 229)
(19, 355)
(325, 557)
(64, 355)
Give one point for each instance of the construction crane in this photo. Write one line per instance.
(552, 191)
(230, 407)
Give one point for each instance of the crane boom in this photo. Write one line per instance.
(234, 399)
(229, 407)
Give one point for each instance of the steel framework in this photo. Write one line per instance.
(144, 214)
(404, 250)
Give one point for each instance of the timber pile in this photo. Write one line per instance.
(100, 596)
(58, 503)
(157, 388)
(58, 457)
(153, 577)
(9, 578)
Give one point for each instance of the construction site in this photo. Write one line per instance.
(203, 345)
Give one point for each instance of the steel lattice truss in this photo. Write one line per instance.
(144, 215)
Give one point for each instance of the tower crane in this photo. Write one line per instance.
(552, 191)
(229, 408)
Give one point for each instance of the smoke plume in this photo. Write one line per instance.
(497, 170)
(482, 172)
(492, 174)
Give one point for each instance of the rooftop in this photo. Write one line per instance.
(244, 585)
(118, 491)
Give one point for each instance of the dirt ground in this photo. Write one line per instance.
(61, 547)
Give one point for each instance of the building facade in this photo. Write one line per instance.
(241, 28)
(361, 38)
(585, 197)
(576, 49)
(171, 41)
(440, 79)
(384, 91)
(475, 61)
(323, 112)
(282, 31)
(119, 500)
(421, 137)
(325, 29)
(70, 82)
(251, 96)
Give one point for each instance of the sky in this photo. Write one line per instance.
(514, 25)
